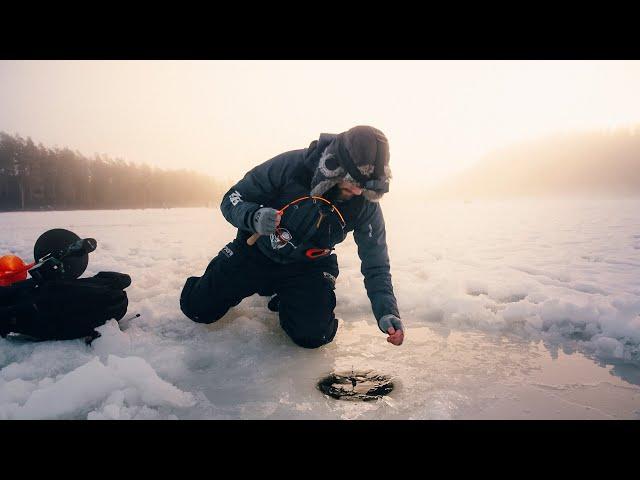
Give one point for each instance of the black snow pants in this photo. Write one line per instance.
(305, 291)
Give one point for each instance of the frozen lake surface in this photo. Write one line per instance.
(518, 309)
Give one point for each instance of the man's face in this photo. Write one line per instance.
(346, 191)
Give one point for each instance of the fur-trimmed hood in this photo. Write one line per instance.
(363, 144)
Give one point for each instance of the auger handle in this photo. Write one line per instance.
(253, 239)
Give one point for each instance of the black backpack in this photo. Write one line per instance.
(63, 309)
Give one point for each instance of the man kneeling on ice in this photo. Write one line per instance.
(290, 212)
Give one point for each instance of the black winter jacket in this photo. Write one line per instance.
(287, 177)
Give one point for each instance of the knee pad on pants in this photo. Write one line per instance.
(313, 339)
(201, 312)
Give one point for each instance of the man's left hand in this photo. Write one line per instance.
(392, 326)
(395, 336)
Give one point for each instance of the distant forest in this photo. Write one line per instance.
(591, 163)
(34, 177)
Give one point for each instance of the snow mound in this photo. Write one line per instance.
(121, 388)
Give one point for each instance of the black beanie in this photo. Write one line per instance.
(363, 144)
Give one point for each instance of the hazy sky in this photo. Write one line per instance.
(224, 117)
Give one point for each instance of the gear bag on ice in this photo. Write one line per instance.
(55, 304)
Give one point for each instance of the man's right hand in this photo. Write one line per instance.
(265, 220)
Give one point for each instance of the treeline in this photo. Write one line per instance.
(590, 162)
(36, 177)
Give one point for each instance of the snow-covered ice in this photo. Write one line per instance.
(514, 309)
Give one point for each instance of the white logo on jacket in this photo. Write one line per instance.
(235, 198)
(282, 239)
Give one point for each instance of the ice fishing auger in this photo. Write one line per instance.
(58, 254)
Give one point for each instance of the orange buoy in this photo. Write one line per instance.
(12, 269)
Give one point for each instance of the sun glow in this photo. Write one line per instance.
(224, 117)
